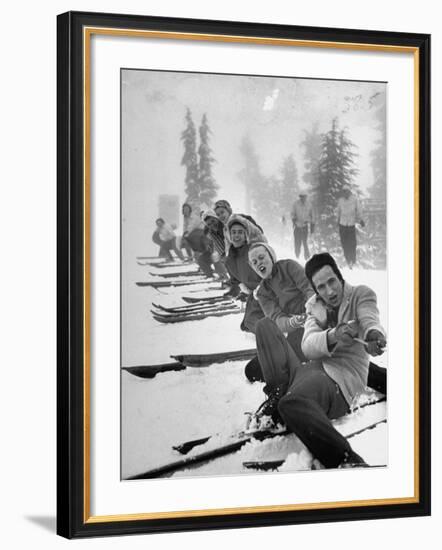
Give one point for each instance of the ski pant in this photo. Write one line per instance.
(204, 260)
(252, 315)
(301, 235)
(310, 398)
(347, 234)
(377, 376)
(185, 244)
(167, 246)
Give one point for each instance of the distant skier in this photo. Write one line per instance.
(191, 221)
(201, 247)
(349, 213)
(167, 237)
(341, 331)
(302, 217)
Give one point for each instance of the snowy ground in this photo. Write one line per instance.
(179, 406)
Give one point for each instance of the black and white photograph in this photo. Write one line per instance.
(254, 268)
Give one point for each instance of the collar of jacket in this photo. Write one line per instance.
(346, 296)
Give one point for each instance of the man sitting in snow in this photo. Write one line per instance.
(341, 331)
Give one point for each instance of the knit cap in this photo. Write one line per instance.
(209, 214)
(223, 204)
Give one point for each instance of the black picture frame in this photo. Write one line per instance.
(73, 518)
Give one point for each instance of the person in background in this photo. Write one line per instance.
(215, 233)
(341, 331)
(191, 221)
(168, 240)
(302, 217)
(348, 213)
(200, 245)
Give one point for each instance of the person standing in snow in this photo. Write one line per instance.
(302, 217)
(348, 213)
(191, 221)
(167, 237)
(307, 397)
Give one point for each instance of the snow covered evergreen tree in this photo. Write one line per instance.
(207, 185)
(336, 168)
(378, 155)
(190, 160)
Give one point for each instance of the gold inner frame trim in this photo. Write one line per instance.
(87, 34)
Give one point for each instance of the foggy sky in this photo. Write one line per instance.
(274, 112)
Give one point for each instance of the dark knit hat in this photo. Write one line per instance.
(269, 249)
(317, 262)
(223, 204)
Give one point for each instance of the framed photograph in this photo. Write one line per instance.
(243, 271)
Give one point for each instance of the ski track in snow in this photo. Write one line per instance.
(175, 407)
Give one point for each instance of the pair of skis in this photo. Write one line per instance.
(195, 313)
(238, 441)
(191, 360)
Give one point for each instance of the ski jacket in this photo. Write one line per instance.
(198, 240)
(348, 211)
(302, 213)
(237, 264)
(166, 233)
(346, 365)
(284, 293)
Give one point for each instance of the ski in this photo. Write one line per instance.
(183, 361)
(150, 371)
(181, 318)
(194, 273)
(192, 300)
(267, 465)
(198, 309)
(164, 265)
(162, 284)
(222, 450)
(189, 445)
(190, 461)
(205, 360)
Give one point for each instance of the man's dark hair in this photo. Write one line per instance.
(317, 262)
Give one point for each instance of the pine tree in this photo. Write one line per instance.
(336, 168)
(190, 161)
(378, 155)
(207, 184)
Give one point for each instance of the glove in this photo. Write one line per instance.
(297, 321)
(362, 223)
(376, 342)
(345, 332)
(312, 228)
